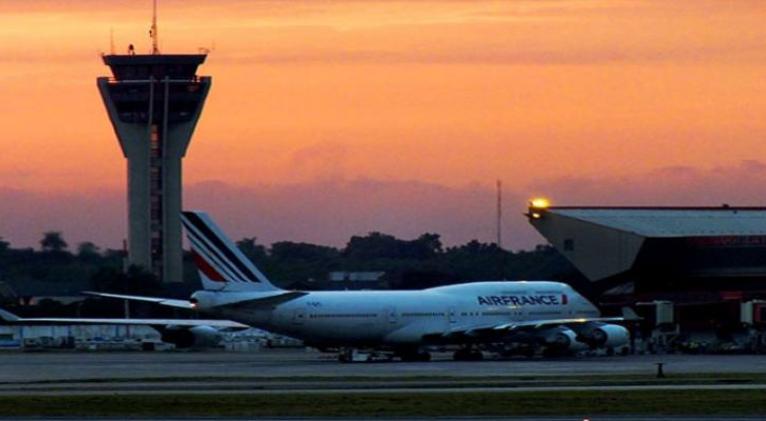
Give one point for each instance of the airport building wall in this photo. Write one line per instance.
(661, 250)
(691, 273)
(70, 336)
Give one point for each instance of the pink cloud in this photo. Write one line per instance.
(331, 211)
(742, 184)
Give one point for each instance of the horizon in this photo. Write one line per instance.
(330, 120)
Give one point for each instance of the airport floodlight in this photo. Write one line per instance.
(539, 203)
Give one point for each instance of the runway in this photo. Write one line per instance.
(254, 388)
(291, 379)
(292, 363)
(299, 371)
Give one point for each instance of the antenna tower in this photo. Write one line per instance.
(153, 31)
(499, 214)
(111, 41)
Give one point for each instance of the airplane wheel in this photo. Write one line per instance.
(345, 356)
(467, 355)
(408, 356)
(415, 357)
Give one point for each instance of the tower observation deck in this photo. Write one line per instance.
(154, 102)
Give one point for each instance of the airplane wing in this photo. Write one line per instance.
(12, 318)
(272, 300)
(537, 324)
(163, 301)
(493, 331)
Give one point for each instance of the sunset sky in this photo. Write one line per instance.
(332, 118)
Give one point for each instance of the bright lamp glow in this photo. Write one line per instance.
(539, 203)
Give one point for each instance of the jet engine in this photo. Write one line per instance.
(191, 337)
(562, 339)
(605, 335)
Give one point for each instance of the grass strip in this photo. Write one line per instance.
(584, 403)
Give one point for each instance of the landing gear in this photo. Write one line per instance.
(414, 356)
(351, 355)
(346, 355)
(467, 354)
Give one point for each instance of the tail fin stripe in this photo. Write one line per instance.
(222, 266)
(219, 245)
(211, 256)
(206, 268)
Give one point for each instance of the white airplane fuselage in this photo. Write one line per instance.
(402, 318)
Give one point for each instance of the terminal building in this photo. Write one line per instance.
(697, 266)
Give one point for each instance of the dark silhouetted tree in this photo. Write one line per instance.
(250, 248)
(53, 242)
(87, 250)
(374, 246)
(425, 247)
(287, 250)
(4, 246)
(136, 280)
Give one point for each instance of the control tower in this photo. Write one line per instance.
(154, 102)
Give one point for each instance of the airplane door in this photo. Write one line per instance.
(299, 315)
(451, 315)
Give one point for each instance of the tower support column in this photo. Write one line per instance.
(154, 103)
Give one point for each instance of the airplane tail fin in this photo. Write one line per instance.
(221, 265)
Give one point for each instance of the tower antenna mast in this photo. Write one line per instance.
(153, 32)
(499, 213)
(111, 41)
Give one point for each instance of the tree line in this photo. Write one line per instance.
(408, 264)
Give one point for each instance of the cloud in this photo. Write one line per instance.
(542, 54)
(740, 184)
(98, 216)
(326, 160)
(322, 212)
(331, 211)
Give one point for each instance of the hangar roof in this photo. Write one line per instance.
(671, 221)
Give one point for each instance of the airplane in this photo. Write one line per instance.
(183, 333)
(404, 324)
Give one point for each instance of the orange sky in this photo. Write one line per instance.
(452, 93)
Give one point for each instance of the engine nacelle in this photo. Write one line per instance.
(188, 337)
(562, 338)
(608, 336)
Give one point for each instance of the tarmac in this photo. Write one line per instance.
(298, 363)
(280, 371)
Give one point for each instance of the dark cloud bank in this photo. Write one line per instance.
(329, 212)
